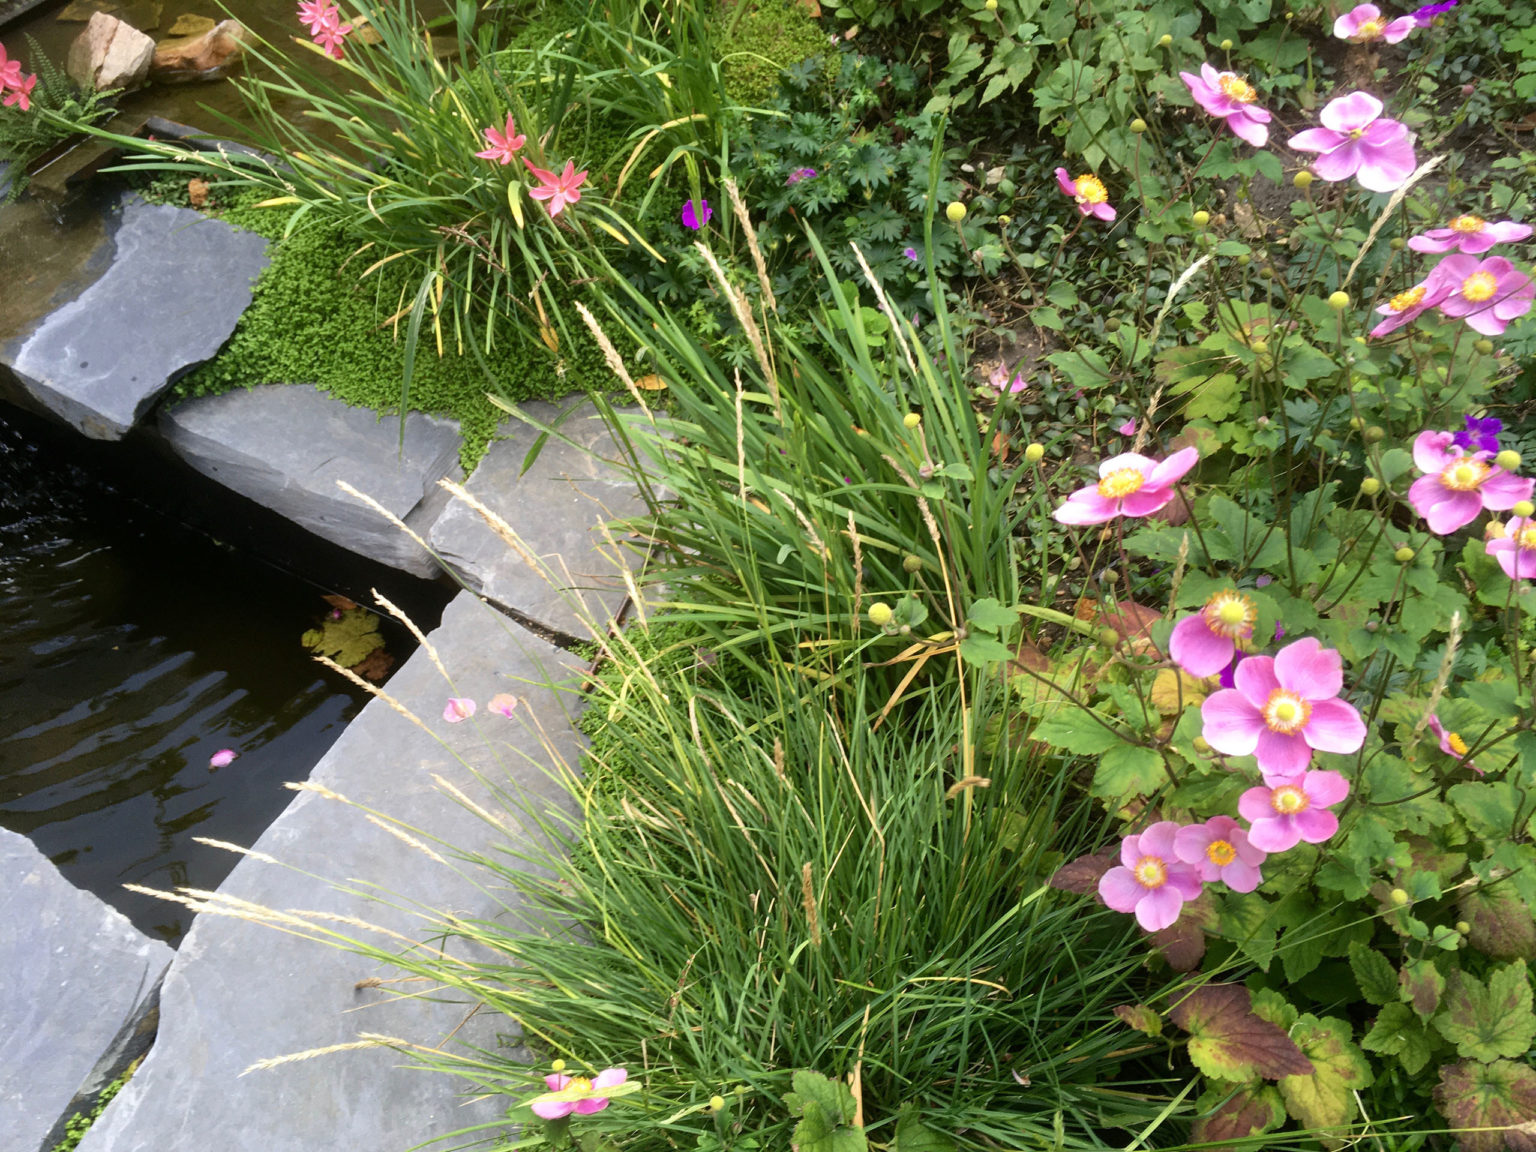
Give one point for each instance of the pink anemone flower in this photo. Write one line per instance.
(1357, 140)
(458, 708)
(1515, 548)
(1151, 881)
(1282, 708)
(1089, 192)
(1487, 293)
(1451, 743)
(1130, 484)
(557, 190)
(1219, 848)
(503, 145)
(1206, 641)
(1408, 306)
(592, 1101)
(1457, 485)
(1229, 97)
(1294, 810)
(1364, 23)
(1471, 234)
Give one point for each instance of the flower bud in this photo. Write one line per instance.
(1357, 422)
(1138, 125)
(1108, 637)
(557, 1065)
(911, 564)
(1164, 40)
(1508, 460)
(955, 212)
(1226, 45)
(1112, 325)
(1338, 301)
(1267, 272)
(1483, 347)
(1201, 745)
(718, 1102)
(1463, 927)
(1005, 219)
(911, 420)
(1370, 486)
(1302, 179)
(1375, 434)
(1259, 347)
(880, 614)
(925, 470)
(1035, 453)
(1243, 260)
(1403, 555)
(1201, 218)
(1397, 244)
(1399, 897)
(1525, 510)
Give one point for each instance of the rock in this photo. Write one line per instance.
(286, 445)
(177, 283)
(74, 974)
(109, 54)
(556, 507)
(240, 992)
(190, 24)
(141, 14)
(214, 53)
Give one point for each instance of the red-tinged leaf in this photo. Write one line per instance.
(1325, 1097)
(1492, 1020)
(1182, 943)
(1140, 1017)
(1421, 984)
(1501, 923)
(1249, 1111)
(1229, 1042)
(1499, 1095)
(1083, 874)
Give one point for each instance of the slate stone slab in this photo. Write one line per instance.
(286, 445)
(556, 508)
(73, 973)
(239, 992)
(177, 284)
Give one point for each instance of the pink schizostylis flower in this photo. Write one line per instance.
(20, 94)
(223, 758)
(1284, 814)
(503, 704)
(1486, 293)
(1357, 140)
(1089, 192)
(696, 214)
(1458, 485)
(1229, 97)
(1151, 880)
(1127, 429)
(557, 190)
(318, 14)
(458, 708)
(1515, 549)
(593, 1101)
(1408, 306)
(1205, 642)
(504, 144)
(1219, 850)
(1451, 743)
(1282, 708)
(1130, 484)
(1365, 23)
(331, 37)
(1005, 381)
(10, 71)
(1471, 234)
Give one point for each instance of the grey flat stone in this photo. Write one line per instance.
(556, 508)
(286, 445)
(177, 284)
(73, 973)
(239, 992)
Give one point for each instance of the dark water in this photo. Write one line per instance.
(131, 650)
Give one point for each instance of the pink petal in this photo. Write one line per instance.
(1157, 839)
(552, 1109)
(555, 1081)
(1435, 240)
(1310, 670)
(1173, 468)
(1255, 679)
(1120, 890)
(1241, 877)
(223, 758)
(1325, 789)
(1274, 833)
(1130, 851)
(1254, 805)
(1198, 650)
(1347, 113)
(1315, 140)
(1159, 908)
(1432, 450)
(457, 709)
(1281, 757)
(1385, 168)
(1507, 232)
(1185, 880)
(1065, 182)
(610, 1078)
(1398, 30)
(591, 1105)
(1315, 825)
(1231, 724)
(1335, 726)
(1246, 126)
(1103, 212)
(1191, 841)
(1450, 510)
(1143, 464)
(1086, 506)
(1146, 501)
(1339, 163)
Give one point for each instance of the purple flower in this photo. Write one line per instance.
(1357, 140)
(1481, 435)
(1284, 814)
(1487, 294)
(800, 174)
(1128, 428)
(1456, 486)
(1424, 16)
(1515, 549)
(911, 254)
(1469, 234)
(696, 214)
(1151, 880)
(1364, 23)
(1219, 848)
(1229, 97)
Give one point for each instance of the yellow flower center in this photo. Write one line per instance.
(1221, 853)
(1356, 133)
(1234, 87)
(1230, 614)
(1479, 286)
(1468, 224)
(1406, 300)
(1121, 483)
(1289, 800)
(1458, 745)
(1527, 537)
(1150, 872)
(1091, 190)
(1465, 475)
(580, 1083)
(1285, 712)
(1369, 30)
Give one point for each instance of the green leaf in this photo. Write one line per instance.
(1075, 731)
(833, 1097)
(991, 616)
(1140, 1017)
(912, 1135)
(1488, 807)
(984, 650)
(1228, 1041)
(1487, 1021)
(1421, 984)
(1374, 973)
(349, 639)
(1325, 1098)
(1494, 1097)
(1127, 770)
(1399, 1032)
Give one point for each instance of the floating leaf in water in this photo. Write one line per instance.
(348, 636)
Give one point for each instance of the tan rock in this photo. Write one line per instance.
(109, 54)
(190, 24)
(215, 53)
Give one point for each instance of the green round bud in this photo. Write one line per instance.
(955, 212)
(1338, 301)
(1201, 218)
(718, 1102)
(1370, 486)
(1483, 347)
(1138, 125)
(1508, 460)
(1302, 179)
(1399, 897)
(1260, 347)
(1530, 169)
(1201, 745)
(991, 5)
(1035, 453)
(1525, 510)
(1005, 219)
(1267, 272)
(557, 1065)
(1397, 244)
(1164, 40)
(1112, 325)
(911, 564)
(1108, 637)
(1226, 45)
(1403, 555)
(1357, 422)
(911, 420)
(1243, 260)
(880, 614)
(1463, 927)
(1375, 434)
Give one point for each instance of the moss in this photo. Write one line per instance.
(770, 37)
(78, 1125)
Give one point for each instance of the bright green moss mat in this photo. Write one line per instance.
(771, 36)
